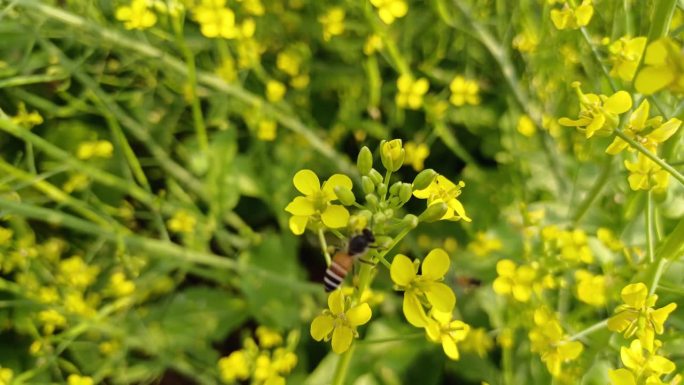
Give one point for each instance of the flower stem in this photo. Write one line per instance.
(591, 329)
(675, 174)
(649, 226)
(324, 247)
(595, 190)
(343, 365)
(660, 22)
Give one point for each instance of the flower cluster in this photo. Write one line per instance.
(547, 339)
(572, 17)
(599, 114)
(265, 363)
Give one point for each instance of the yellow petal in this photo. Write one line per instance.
(656, 53)
(298, 224)
(436, 264)
(618, 103)
(450, 348)
(334, 181)
(335, 216)
(639, 116)
(402, 270)
(660, 316)
(502, 286)
(321, 326)
(521, 293)
(570, 350)
(433, 330)
(358, 315)
(653, 79)
(665, 131)
(306, 181)
(441, 297)
(421, 86)
(595, 125)
(505, 268)
(621, 377)
(300, 206)
(398, 8)
(342, 339)
(413, 310)
(660, 364)
(583, 14)
(457, 206)
(634, 295)
(573, 123)
(336, 302)
(632, 356)
(617, 146)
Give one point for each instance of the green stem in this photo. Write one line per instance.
(649, 227)
(343, 365)
(595, 191)
(660, 268)
(660, 22)
(675, 174)
(596, 55)
(324, 247)
(591, 329)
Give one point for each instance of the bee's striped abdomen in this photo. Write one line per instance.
(338, 269)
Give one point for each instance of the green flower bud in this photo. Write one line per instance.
(394, 189)
(410, 220)
(434, 212)
(371, 200)
(382, 189)
(423, 179)
(345, 195)
(394, 202)
(379, 218)
(392, 154)
(405, 192)
(367, 185)
(364, 162)
(375, 176)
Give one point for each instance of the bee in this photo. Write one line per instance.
(343, 260)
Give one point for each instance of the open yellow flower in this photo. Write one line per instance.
(572, 18)
(598, 113)
(339, 323)
(411, 91)
(389, 10)
(423, 288)
(649, 132)
(332, 22)
(547, 339)
(441, 328)
(315, 204)
(416, 153)
(645, 174)
(514, 281)
(464, 91)
(216, 20)
(637, 315)
(663, 67)
(625, 55)
(443, 190)
(650, 367)
(136, 15)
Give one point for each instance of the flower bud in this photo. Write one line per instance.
(405, 191)
(379, 218)
(382, 189)
(389, 213)
(423, 179)
(392, 154)
(371, 200)
(375, 176)
(394, 189)
(345, 195)
(364, 162)
(367, 185)
(410, 220)
(434, 212)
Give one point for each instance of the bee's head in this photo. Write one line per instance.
(358, 244)
(368, 234)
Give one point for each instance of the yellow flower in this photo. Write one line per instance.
(253, 7)
(478, 341)
(137, 15)
(416, 155)
(267, 130)
(95, 149)
(26, 119)
(216, 20)
(443, 190)
(74, 272)
(598, 113)
(389, 10)
(547, 339)
(663, 67)
(284, 361)
(289, 62)
(526, 41)
(440, 328)
(75, 379)
(645, 174)
(234, 367)
(573, 246)
(572, 18)
(332, 22)
(410, 92)
(591, 289)
(637, 366)
(637, 316)
(425, 286)
(464, 91)
(392, 154)
(6, 375)
(649, 132)
(340, 323)
(120, 286)
(182, 222)
(526, 126)
(268, 338)
(608, 238)
(51, 320)
(625, 55)
(373, 43)
(483, 244)
(315, 204)
(514, 281)
(275, 91)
